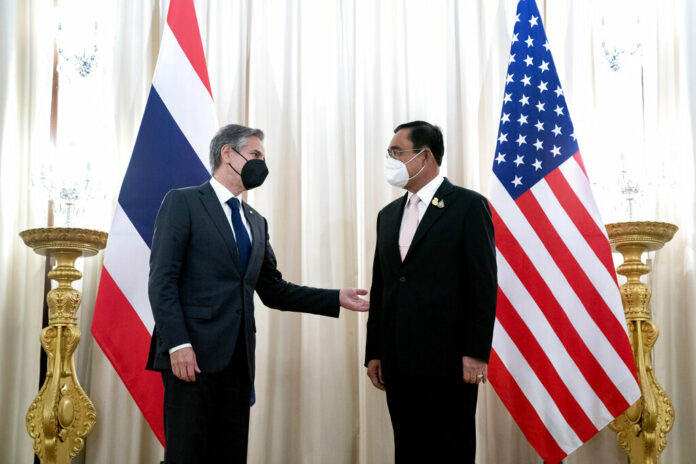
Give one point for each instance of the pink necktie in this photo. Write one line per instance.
(408, 229)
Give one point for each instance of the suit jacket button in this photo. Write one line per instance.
(402, 279)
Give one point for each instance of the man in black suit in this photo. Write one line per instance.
(210, 252)
(432, 302)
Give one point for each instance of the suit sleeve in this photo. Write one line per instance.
(481, 271)
(169, 243)
(277, 293)
(373, 320)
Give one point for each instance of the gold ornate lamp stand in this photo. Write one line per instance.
(61, 415)
(642, 429)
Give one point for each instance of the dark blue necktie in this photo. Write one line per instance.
(240, 234)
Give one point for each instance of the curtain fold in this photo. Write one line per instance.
(328, 82)
(26, 54)
(669, 95)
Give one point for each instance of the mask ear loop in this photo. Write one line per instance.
(245, 158)
(230, 164)
(415, 156)
(421, 169)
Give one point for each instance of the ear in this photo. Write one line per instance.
(432, 157)
(225, 153)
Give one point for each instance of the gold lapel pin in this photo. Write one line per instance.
(435, 201)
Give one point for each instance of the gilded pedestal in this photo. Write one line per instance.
(61, 415)
(642, 430)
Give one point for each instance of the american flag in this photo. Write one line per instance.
(561, 361)
(171, 151)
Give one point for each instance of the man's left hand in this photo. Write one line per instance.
(349, 298)
(474, 370)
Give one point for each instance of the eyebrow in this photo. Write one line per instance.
(394, 147)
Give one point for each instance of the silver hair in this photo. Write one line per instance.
(233, 135)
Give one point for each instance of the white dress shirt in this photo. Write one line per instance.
(223, 196)
(426, 194)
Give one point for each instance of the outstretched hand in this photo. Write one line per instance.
(349, 298)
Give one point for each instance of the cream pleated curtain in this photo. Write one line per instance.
(328, 82)
(26, 54)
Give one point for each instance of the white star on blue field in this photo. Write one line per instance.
(535, 134)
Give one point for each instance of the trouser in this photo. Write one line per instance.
(207, 421)
(433, 419)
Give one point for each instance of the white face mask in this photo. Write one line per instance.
(395, 171)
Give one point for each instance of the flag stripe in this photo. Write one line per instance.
(125, 342)
(582, 219)
(529, 347)
(149, 177)
(577, 275)
(129, 267)
(182, 21)
(523, 411)
(581, 165)
(193, 110)
(566, 367)
(534, 391)
(574, 173)
(540, 264)
(557, 317)
(570, 210)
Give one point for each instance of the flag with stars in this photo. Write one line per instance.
(561, 360)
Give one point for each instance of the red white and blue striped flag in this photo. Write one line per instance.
(561, 361)
(171, 151)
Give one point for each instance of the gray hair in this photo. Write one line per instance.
(233, 135)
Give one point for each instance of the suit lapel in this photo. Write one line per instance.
(432, 214)
(392, 226)
(258, 239)
(217, 215)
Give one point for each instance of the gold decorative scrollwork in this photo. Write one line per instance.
(61, 415)
(642, 429)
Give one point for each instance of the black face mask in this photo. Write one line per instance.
(253, 173)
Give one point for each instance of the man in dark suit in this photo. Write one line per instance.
(210, 252)
(432, 302)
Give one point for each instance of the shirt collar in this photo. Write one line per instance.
(427, 192)
(222, 193)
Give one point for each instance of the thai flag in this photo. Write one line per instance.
(171, 151)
